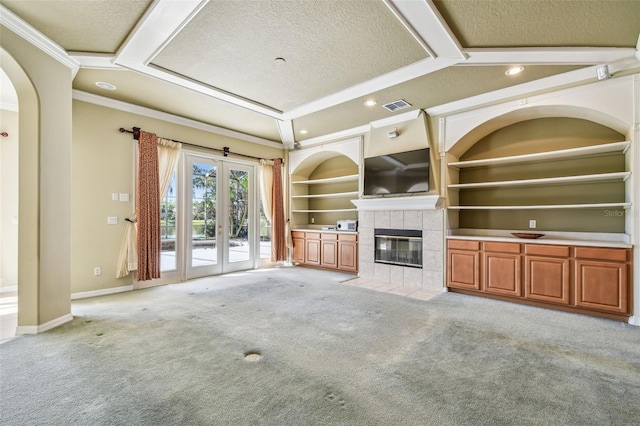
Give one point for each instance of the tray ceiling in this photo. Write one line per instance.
(215, 61)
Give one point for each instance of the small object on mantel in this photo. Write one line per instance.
(328, 228)
(527, 235)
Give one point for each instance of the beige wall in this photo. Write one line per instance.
(9, 199)
(103, 163)
(44, 247)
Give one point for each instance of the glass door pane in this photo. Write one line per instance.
(168, 227)
(203, 256)
(239, 214)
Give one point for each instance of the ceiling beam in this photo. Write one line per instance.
(285, 127)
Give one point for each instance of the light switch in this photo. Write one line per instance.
(14, 220)
(112, 220)
(124, 197)
(114, 196)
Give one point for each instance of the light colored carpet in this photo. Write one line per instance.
(331, 354)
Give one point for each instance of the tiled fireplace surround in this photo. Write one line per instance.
(415, 216)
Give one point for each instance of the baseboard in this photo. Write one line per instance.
(9, 289)
(36, 329)
(634, 320)
(103, 292)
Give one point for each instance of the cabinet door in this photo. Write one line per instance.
(329, 257)
(298, 250)
(602, 285)
(502, 274)
(463, 269)
(348, 256)
(547, 279)
(312, 252)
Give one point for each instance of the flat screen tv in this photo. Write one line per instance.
(401, 173)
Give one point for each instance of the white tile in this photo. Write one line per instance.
(396, 274)
(396, 219)
(366, 270)
(382, 219)
(433, 220)
(382, 272)
(432, 260)
(412, 277)
(413, 219)
(434, 239)
(432, 280)
(366, 237)
(365, 219)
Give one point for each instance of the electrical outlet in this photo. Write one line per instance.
(532, 223)
(313, 220)
(97, 271)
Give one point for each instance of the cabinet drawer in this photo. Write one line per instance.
(313, 235)
(297, 234)
(464, 245)
(348, 237)
(329, 237)
(502, 247)
(600, 253)
(546, 250)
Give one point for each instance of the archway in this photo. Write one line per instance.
(28, 227)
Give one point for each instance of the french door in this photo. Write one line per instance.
(219, 215)
(211, 219)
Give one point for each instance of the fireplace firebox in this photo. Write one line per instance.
(398, 247)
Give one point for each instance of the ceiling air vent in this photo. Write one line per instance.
(397, 105)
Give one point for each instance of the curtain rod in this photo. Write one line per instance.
(225, 150)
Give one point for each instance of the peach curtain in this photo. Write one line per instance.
(279, 227)
(148, 211)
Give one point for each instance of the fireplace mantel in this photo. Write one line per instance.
(417, 202)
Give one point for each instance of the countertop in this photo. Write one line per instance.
(334, 231)
(554, 238)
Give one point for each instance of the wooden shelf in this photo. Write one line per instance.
(544, 206)
(347, 178)
(545, 156)
(545, 181)
(330, 195)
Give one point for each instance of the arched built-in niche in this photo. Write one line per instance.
(515, 173)
(324, 180)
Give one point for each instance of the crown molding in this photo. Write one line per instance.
(170, 118)
(95, 60)
(36, 38)
(556, 82)
(333, 137)
(400, 118)
(547, 55)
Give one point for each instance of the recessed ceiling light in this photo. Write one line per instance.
(105, 85)
(514, 70)
(370, 102)
(280, 61)
(303, 132)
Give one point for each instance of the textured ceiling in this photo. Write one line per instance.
(83, 26)
(543, 23)
(213, 61)
(327, 46)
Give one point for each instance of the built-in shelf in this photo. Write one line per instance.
(331, 195)
(546, 156)
(545, 206)
(545, 181)
(347, 178)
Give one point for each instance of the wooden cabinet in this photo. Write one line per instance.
(329, 257)
(312, 248)
(297, 256)
(547, 273)
(348, 252)
(463, 264)
(501, 268)
(602, 279)
(582, 279)
(330, 250)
